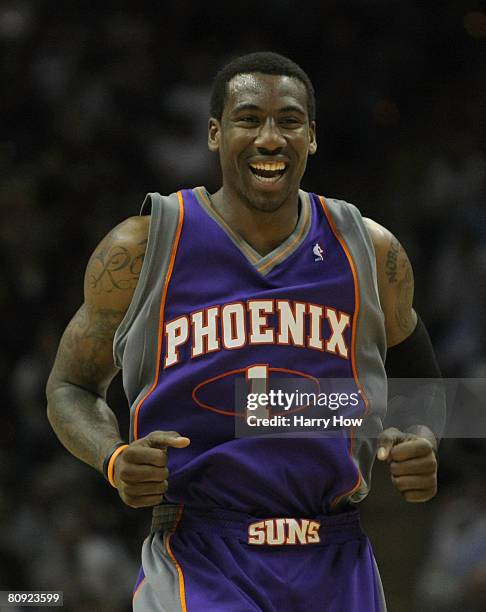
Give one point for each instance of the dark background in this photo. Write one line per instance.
(103, 102)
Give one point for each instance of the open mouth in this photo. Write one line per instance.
(268, 172)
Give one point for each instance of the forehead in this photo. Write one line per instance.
(266, 91)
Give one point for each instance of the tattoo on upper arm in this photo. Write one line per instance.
(403, 310)
(115, 267)
(391, 265)
(403, 276)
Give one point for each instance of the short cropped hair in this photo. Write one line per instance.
(265, 62)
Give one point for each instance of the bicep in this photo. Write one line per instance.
(85, 355)
(395, 284)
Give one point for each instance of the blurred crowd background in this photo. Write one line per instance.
(103, 102)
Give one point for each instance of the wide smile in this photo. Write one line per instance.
(268, 172)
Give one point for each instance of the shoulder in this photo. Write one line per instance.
(390, 254)
(337, 205)
(114, 267)
(380, 236)
(130, 230)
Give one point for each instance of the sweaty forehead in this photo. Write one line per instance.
(265, 90)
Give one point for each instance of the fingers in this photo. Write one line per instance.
(142, 455)
(395, 445)
(416, 497)
(411, 449)
(140, 471)
(146, 488)
(143, 501)
(163, 439)
(421, 492)
(387, 440)
(152, 450)
(413, 465)
(418, 467)
(141, 494)
(414, 483)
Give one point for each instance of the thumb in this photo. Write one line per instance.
(163, 439)
(387, 440)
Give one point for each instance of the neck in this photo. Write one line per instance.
(264, 231)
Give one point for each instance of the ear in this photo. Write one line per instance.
(312, 136)
(214, 130)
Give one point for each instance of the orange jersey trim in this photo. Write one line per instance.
(182, 588)
(352, 265)
(138, 588)
(162, 312)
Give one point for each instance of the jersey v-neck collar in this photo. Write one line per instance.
(266, 263)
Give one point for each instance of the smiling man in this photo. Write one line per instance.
(257, 283)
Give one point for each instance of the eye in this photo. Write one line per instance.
(290, 121)
(248, 119)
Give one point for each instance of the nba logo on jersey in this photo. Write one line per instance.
(318, 252)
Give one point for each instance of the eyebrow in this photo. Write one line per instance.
(292, 109)
(286, 109)
(245, 106)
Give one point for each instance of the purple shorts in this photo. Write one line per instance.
(224, 561)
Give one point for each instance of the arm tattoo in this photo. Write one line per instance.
(403, 307)
(116, 267)
(77, 410)
(391, 264)
(87, 338)
(84, 367)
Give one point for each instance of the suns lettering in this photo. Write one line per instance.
(276, 532)
(284, 531)
(256, 533)
(298, 531)
(279, 322)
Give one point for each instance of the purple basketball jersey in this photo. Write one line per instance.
(209, 310)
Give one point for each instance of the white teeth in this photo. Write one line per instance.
(267, 179)
(269, 166)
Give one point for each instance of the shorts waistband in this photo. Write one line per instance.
(320, 529)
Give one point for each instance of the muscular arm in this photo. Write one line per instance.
(413, 465)
(84, 368)
(395, 284)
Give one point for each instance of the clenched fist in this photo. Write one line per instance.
(140, 471)
(412, 462)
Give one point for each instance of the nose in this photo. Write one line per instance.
(270, 138)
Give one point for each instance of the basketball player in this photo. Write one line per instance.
(259, 280)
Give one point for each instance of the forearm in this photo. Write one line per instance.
(416, 391)
(83, 422)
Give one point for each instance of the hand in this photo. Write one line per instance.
(140, 471)
(412, 461)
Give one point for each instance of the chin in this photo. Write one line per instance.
(266, 204)
(266, 200)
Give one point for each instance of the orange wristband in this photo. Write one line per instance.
(111, 464)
